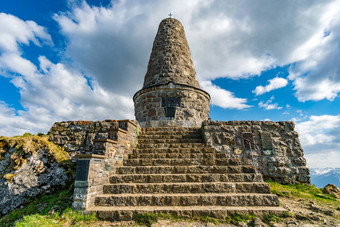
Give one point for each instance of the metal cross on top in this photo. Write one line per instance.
(170, 14)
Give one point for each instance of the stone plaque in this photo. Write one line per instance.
(248, 136)
(171, 102)
(266, 139)
(82, 170)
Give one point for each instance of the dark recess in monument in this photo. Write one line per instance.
(170, 104)
(82, 170)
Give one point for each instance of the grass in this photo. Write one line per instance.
(272, 218)
(207, 219)
(303, 191)
(237, 218)
(146, 219)
(37, 212)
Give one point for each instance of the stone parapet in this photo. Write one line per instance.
(98, 147)
(276, 147)
(171, 105)
(82, 137)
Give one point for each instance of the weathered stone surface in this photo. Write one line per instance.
(170, 59)
(38, 176)
(277, 152)
(78, 137)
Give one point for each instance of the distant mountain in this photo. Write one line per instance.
(321, 177)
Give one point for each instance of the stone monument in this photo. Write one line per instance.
(171, 95)
(173, 159)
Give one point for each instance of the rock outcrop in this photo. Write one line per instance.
(332, 190)
(30, 166)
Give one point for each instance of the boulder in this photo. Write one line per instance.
(332, 190)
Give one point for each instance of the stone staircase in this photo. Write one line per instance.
(172, 171)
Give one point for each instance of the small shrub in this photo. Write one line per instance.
(40, 134)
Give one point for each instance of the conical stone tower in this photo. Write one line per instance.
(171, 95)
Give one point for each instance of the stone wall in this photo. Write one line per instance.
(171, 105)
(276, 147)
(78, 137)
(99, 147)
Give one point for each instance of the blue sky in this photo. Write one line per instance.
(263, 60)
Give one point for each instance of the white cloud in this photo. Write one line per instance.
(51, 92)
(223, 98)
(274, 83)
(227, 39)
(320, 139)
(317, 77)
(14, 31)
(323, 160)
(319, 129)
(269, 105)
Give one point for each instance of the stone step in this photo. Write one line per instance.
(158, 150)
(178, 178)
(210, 187)
(185, 155)
(127, 213)
(183, 169)
(170, 145)
(171, 136)
(164, 178)
(183, 199)
(207, 160)
(169, 130)
(171, 141)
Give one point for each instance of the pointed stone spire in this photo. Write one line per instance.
(170, 59)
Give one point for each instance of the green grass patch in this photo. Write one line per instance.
(304, 191)
(146, 219)
(39, 206)
(237, 218)
(271, 218)
(207, 219)
(37, 212)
